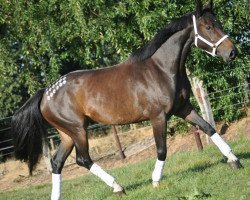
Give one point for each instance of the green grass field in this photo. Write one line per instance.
(187, 176)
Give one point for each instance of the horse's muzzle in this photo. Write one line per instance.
(229, 55)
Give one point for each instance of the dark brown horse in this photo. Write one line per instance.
(151, 85)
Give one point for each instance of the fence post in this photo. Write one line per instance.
(197, 138)
(52, 144)
(246, 87)
(207, 108)
(118, 143)
(201, 96)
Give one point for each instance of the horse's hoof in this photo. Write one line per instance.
(235, 164)
(118, 190)
(155, 184)
(119, 193)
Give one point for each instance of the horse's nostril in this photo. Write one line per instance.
(232, 54)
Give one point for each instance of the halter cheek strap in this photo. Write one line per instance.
(213, 45)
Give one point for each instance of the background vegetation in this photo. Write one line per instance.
(42, 40)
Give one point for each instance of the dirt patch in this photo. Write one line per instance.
(138, 145)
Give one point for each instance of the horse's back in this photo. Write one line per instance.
(92, 93)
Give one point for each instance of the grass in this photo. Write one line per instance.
(189, 175)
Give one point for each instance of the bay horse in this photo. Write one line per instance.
(151, 84)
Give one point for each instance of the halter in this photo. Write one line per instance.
(213, 45)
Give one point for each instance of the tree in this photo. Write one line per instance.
(42, 40)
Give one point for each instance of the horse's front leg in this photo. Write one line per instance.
(159, 130)
(193, 118)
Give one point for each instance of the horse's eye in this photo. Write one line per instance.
(208, 27)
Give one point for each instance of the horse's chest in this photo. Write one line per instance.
(183, 94)
(181, 97)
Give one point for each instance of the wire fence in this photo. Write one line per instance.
(7, 148)
(228, 89)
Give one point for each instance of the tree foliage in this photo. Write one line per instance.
(42, 40)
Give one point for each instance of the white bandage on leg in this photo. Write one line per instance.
(56, 187)
(157, 173)
(232, 157)
(98, 171)
(117, 187)
(221, 144)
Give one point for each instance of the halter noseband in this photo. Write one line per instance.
(213, 45)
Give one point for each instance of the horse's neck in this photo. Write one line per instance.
(171, 56)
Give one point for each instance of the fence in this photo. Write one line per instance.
(6, 147)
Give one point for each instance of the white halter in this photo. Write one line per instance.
(197, 36)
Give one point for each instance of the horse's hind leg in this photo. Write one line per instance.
(57, 163)
(193, 118)
(83, 159)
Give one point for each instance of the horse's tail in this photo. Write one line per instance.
(29, 131)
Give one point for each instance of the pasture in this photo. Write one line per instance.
(187, 175)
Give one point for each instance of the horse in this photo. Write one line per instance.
(151, 84)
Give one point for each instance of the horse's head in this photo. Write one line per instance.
(209, 35)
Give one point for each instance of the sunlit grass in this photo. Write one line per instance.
(187, 176)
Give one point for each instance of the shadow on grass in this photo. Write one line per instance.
(201, 168)
(138, 185)
(243, 155)
(196, 195)
(196, 169)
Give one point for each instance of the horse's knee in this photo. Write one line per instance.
(87, 163)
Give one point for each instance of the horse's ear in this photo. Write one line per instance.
(209, 6)
(198, 8)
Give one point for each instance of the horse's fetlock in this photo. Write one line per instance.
(161, 154)
(56, 166)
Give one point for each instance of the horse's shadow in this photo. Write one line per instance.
(138, 185)
(201, 168)
(164, 177)
(243, 155)
(196, 169)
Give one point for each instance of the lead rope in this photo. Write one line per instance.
(214, 46)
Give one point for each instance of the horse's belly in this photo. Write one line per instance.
(124, 112)
(116, 115)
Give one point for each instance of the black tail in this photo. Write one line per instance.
(29, 131)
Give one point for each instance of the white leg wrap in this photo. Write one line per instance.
(221, 144)
(157, 173)
(98, 171)
(56, 187)
(117, 187)
(232, 157)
